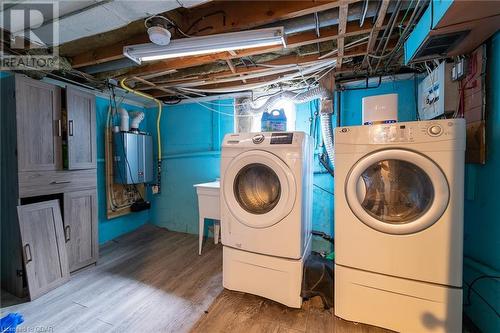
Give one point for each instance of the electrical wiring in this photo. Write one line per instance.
(217, 111)
(462, 86)
(323, 189)
(470, 286)
(312, 69)
(348, 46)
(169, 21)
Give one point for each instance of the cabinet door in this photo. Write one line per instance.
(43, 247)
(38, 115)
(80, 228)
(81, 129)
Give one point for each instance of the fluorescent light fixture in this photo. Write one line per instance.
(206, 44)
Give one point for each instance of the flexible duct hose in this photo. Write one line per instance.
(326, 111)
(327, 128)
(306, 96)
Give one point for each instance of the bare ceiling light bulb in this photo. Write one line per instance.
(159, 35)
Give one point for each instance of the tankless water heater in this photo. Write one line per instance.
(133, 158)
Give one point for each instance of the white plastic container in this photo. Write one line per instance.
(380, 109)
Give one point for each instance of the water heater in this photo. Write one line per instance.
(380, 109)
(133, 158)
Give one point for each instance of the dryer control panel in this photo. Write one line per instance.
(390, 133)
(400, 133)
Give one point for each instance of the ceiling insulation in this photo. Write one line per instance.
(78, 19)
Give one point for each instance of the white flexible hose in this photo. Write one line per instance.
(326, 111)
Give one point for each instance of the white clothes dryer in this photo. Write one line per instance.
(399, 224)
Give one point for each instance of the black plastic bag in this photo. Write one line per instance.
(318, 279)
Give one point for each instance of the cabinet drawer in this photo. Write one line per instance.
(49, 182)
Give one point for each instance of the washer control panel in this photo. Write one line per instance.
(259, 138)
(435, 130)
(281, 138)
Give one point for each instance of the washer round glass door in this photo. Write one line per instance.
(397, 191)
(259, 189)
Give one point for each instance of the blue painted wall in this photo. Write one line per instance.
(109, 229)
(482, 217)
(351, 101)
(191, 138)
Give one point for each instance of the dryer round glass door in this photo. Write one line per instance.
(397, 191)
(259, 189)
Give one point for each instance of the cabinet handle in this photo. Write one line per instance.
(27, 249)
(70, 130)
(55, 182)
(59, 127)
(67, 233)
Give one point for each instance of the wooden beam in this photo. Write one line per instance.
(247, 73)
(225, 16)
(232, 68)
(378, 26)
(343, 13)
(230, 65)
(210, 80)
(300, 39)
(232, 16)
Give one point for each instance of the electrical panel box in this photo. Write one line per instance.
(437, 93)
(133, 158)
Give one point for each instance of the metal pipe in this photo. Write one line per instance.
(416, 14)
(365, 10)
(393, 18)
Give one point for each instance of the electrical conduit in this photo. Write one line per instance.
(158, 132)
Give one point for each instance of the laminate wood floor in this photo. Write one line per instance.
(152, 280)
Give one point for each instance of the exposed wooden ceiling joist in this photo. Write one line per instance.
(260, 70)
(241, 15)
(343, 9)
(232, 68)
(236, 15)
(377, 27)
(210, 81)
(301, 39)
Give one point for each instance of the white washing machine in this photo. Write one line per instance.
(266, 197)
(399, 225)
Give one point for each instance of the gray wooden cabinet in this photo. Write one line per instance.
(36, 118)
(43, 251)
(80, 129)
(39, 128)
(80, 228)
